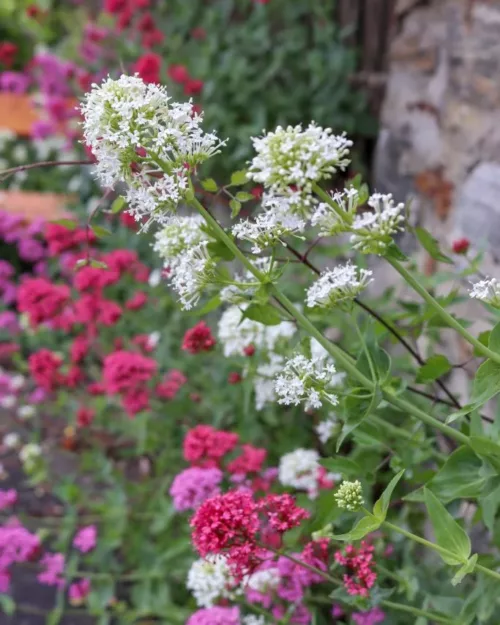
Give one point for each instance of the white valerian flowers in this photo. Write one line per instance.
(209, 580)
(264, 581)
(332, 220)
(30, 455)
(326, 429)
(487, 291)
(26, 412)
(296, 157)
(236, 332)
(373, 230)
(300, 469)
(251, 619)
(308, 381)
(338, 285)
(139, 136)
(195, 271)
(271, 226)
(11, 440)
(179, 235)
(349, 496)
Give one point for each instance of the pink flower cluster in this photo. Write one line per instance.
(193, 486)
(17, 544)
(215, 616)
(198, 339)
(236, 525)
(359, 562)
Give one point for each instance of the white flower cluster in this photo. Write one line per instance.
(334, 286)
(295, 157)
(195, 271)
(271, 226)
(236, 332)
(263, 381)
(487, 291)
(251, 619)
(332, 220)
(307, 380)
(299, 469)
(264, 581)
(139, 136)
(210, 580)
(325, 429)
(180, 234)
(373, 230)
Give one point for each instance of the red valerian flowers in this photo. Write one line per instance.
(198, 339)
(359, 562)
(148, 67)
(41, 300)
(44, 367)
(461, 246)
(124, 370)
(205, 446)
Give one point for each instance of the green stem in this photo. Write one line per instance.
(338, 354)
(445, 316)
(417, 612)
(434, 547)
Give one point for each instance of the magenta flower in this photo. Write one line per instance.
(86, 539)
(14, 82)
(193, 486)
(7, 498)
(372, 617)
(52, 575)
(78, 591)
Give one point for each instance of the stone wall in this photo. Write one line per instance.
(439, 142)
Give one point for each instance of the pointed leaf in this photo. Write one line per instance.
(267, 314)
(117, 204)
(70, 224)
(434, 368)
(209, 185)
(464, 570)
(364, 526)
(239, 177)
(235, 207)
(220, 250)
(449, 534)
(431, 245)
(460, 477)
(99, 231)
(382, 505)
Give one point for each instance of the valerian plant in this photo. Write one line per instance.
(345, 526)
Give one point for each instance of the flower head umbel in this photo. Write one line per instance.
(209, 580)
(308, 381)
(350, 496)
(299, 158)
(488, 291)
(139, 136)
(373, 230)
(337, 286)
(333, 220)
(179, 234)
(271, 226)
(194, 273)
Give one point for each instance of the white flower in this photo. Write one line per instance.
(180, 234)
(154, 279)
(264, 581)
(11, 440)
(210, 580)
(8, 401)
(337, 285)
(373, 230)
(293, 156)
(139, 136)
(30, 452)
(26, 412)
(335, 220)
(299, 469)
(17, 382)
(263, 381)
(236, 333)
(195, 271)
(307, 380)
(154, 338)
(19, 153)
(270, 226)
(487, 291)
(251, 619)
(325, 429)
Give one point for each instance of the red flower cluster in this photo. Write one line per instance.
(130, 13)
(148, 67)
(44, 367)
(250, 461)
(127, 373)
(359, 563)
(180, 75)
(198, 339)
(461, 246)
(8, 51)
(171, 384)
(41, 300)
(61, 239)
(232, 523)
(204, 446)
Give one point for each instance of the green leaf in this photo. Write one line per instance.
(494, 339)
(266, 314)
(431, 245)
(464, 570)
(395, 253)
(485, 447)
(220, 250)
(486, 385)
(345, 466)
(449, 534)
(380, 359)
(99, 231)
(483, 338)
(210, 185)
(382, 505)
(117, 204)
(460, 477)
(434, 368)
(364, 526)
(357, 409)
(7, 604)
(98, 264)
(243, 196)
(239, 178)
(212, 304)
(70, 224)
(235, 207)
